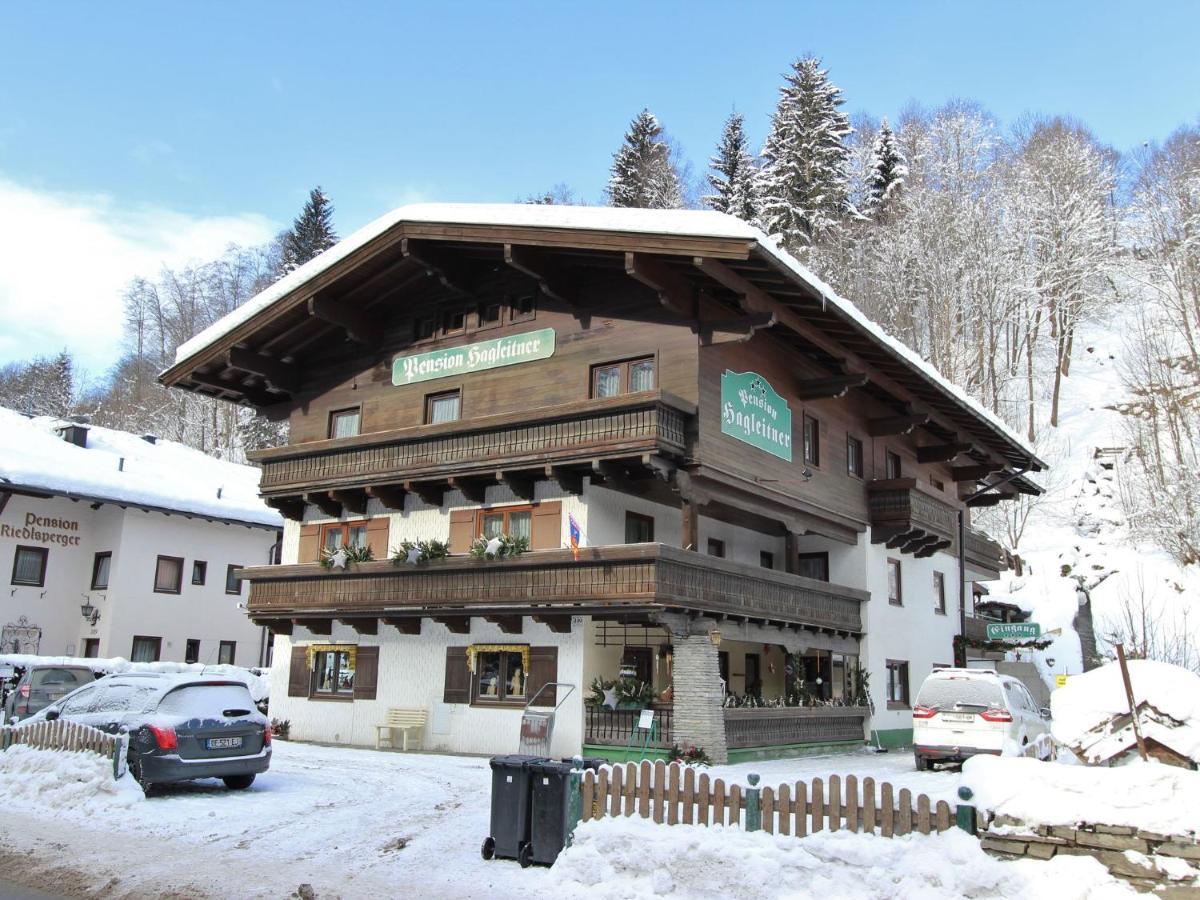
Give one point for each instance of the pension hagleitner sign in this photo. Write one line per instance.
(505, 351)
(752, 412)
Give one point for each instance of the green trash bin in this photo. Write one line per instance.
(550, 815)
(510, 820)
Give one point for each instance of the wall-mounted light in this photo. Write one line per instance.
(90, 612)
(715, 637)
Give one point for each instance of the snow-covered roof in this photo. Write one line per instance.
(675, 222)
(162, 475)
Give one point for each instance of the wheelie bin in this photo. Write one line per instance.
(551, 819)
(509, 836)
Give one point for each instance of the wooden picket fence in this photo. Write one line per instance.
(677, 794)
(63, 735)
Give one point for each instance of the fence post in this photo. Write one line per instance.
(964, 815)
(753, 805)
(574, 797)
(120, 750)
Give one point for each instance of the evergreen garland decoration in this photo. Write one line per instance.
(352, 555)
(502, 546)
(425, 551)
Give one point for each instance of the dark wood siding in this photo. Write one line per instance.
(377, 537)
(543, 669)
(310, 544)
(462, 530)
(546, 528)
(366, 673)
(458, 676)
(299, 678)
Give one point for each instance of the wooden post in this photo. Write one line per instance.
(1137, 727)
(835, 802)
(644, 790)
(785, 809)
(589, 795)
(673, 794)
(851, 803)
(719, 802)
(800, 809)
(868, 807)
(702, 801)
(660, 783)
(817, 804)
(690, 529)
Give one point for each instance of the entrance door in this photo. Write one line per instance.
(91, 648)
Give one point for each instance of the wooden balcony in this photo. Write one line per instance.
(984, 553)
(791, 725)
(551, 584)
(909, 520)
(650, 428)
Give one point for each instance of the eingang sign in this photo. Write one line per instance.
(752, 412)
(505, 351)
(1013, 631)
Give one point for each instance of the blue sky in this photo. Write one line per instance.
(170, 128)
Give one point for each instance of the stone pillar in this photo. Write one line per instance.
(699, 720)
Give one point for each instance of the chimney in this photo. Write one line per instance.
(75, 434)
(150, 438)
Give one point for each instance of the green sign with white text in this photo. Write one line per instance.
(505, 351)
(752, 412)
(1013, 631)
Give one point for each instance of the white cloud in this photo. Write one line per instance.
(65, 260)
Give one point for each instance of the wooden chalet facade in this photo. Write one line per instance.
(766, 490)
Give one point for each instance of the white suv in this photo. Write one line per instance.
(962, 712)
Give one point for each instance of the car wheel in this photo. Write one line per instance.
(923, 764)
(135, 769)
(238, 782)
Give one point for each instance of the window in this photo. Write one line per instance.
(101, 565)
(344, 534)
(499, 676)
(812, 441)
(813, 565)
(145, 649)
(515, 521)
(522, 308)
(29, 566)
(426, 328)
(854, 457)
(611, 379)
(168, 575)
(233, 584)
(226, 653)
(639, 529)
(453, 320)
(716, 548)
(766, 559)
(91, 648)
(344, 422)
(895, 596)
(939, 593)
(489, 314)
(892, 465)
(333, 673)
(199, 571)
(897, 684)
(192, 653)
(443, 407)
(937, 483)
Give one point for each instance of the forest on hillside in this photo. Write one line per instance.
(984, 247)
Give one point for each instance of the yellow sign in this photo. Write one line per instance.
(1060, 681)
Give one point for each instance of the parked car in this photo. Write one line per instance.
(963, 712)
(42, 685)
(181, 726)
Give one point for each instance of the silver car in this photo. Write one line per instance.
(42, 685)
(181, 727)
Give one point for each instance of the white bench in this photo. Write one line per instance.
(403, 720)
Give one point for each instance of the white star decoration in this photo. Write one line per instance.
(339, 558)
(610, 698)
(493, 547)
(414, 556)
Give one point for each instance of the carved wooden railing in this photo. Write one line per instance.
(782, 726)
(985, 552)
(897, 506)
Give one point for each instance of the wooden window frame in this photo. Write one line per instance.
(178, 578)
(888, 456)
(443, 323)
(505, 511)
(900, 666)
(766, 559)
(815, 459)
(625, 366)
(482, 324)
(897, 600)
(852, 441)
(939, 593)
(522, 316)
(631, 516)
(502, 697)
(199, 568)
(229, 570)
(345, 410)
(146, 637)
(43, 552)
(232, 645)
(430, 399)
(822, 555)
(102, 555)
(187, 650)
(338, 693)
(343, 527)
(719, 544)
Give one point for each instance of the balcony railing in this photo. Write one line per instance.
(614, 727)
(618, 578)
(982, 551)
(784, 726)
(650, 422)
(909, 519)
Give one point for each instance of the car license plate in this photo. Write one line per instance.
(224, 743)
(958, 717)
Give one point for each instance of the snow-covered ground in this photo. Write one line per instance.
(359, 823)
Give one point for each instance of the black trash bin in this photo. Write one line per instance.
(550, 814)
(509, 836)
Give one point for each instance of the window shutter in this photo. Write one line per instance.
(377, 537)
(547, 526)
(462, 530)
(310, 544)
(299, 678)
(543, 668)
(366, 673)
(458, 676)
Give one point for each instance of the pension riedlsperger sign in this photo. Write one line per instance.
(505, 351)
(752, 412)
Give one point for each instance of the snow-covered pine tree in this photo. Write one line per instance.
(312, 232)
(889, 168)
(733, 173)
(802, 184)
(642, 173)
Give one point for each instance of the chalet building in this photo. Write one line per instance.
(120, 545)
(770, 497)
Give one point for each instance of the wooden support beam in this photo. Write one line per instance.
(437, 265)
(791, 551)
(557, 624)
(726, 331)
(659, 467)
(390, 495)
(889, 425)
(988, 500)
(537, 266)
(690, 525)
(325, 503)
(474, 489)
(920, 543)
(288, 507)
(902, 537)
(926, 552)
(432, 492)
(406, 625)
(674, 292)
(455, 624)
(521, 485)
(568, 480)
(357, 326)
(277, 626)
(363, 626)
(828, 388)
(316, 626)
(941, 452)
(607, 470)
(507, 624)
(974, 473)
(280, 375)
(353, 501)
(231, 390)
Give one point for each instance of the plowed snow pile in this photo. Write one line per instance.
(61, 779)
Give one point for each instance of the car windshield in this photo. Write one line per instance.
(61, 678)
(125, 697)
(947, 693)
(207, 701)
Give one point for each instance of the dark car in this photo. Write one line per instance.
(41, 685)
(181, 727)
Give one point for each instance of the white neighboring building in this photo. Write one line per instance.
(142, 534)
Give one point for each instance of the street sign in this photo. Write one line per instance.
(1013, 631)
(1060, 681)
